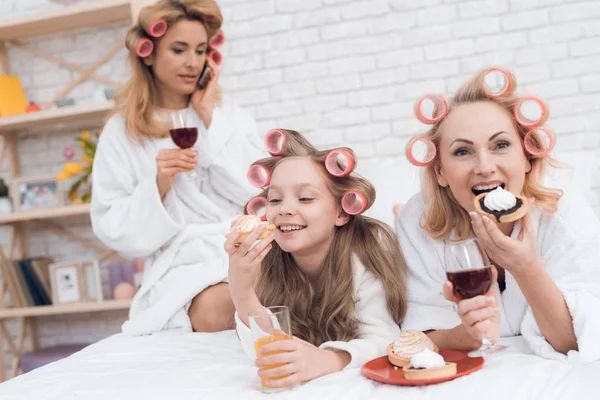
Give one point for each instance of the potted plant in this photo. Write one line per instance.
(5, 203)
(80, 172)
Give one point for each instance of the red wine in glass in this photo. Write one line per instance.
(184, 138)
(469, 283)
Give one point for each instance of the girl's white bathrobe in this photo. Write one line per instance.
(181, 236)
(569, 244)
(376, 327)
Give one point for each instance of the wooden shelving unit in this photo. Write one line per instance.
(12, 30)
(51, 213)
(84, 15)
(33, 121)
(76, 308)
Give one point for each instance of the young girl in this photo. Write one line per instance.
(145, 201)
(340, 273)
(548, 287)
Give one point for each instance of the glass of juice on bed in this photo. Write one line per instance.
(183, 135)
(270, 325)
(468, 268)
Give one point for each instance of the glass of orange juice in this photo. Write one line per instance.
(268, 326)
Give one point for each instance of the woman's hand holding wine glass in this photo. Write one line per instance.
(471, 284)
(170, 162)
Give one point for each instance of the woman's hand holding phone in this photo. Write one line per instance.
(204, 100)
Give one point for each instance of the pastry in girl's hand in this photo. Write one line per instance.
(501, 205)
(427, 364)
(408, 344)
(246, 224)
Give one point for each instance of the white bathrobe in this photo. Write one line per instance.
(376, 328)
(569, 244)
(182, 236)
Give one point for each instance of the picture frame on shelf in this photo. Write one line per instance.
(92, 288)
(37, 192)
(66, 282)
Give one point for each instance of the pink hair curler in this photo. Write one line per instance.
(216, 56)
(217, 40)
(420, 151)
(258, 175)
(258, 206)
(339, 163)
(275, 141)
(354, 202)
(496, 82)
(530, 112)
(144, 47)
(431, 108)
(157, 28)
(539, 142)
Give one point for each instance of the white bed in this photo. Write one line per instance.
(179, 366)
(212, 366)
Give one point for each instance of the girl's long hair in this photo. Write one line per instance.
(327, 312)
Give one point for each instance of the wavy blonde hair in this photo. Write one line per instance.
(136, 100)
(443, 214)
(326, 312)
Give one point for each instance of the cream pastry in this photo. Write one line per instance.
(501, 205)
(246, 224)
(408, 344)
(427, 364)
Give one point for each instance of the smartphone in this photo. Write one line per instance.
(204, 77)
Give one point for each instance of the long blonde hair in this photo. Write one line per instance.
(326, 312)
(443, 215)
(136, 100)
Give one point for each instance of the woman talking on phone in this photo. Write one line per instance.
(170, 169)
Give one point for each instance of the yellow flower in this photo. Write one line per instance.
(74, 168)
(87, 159)
(62, 175)
(86, 135)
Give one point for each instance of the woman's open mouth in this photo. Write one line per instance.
(477, 190)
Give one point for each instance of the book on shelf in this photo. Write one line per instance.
(28, 281)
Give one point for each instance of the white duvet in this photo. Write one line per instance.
(172, 365)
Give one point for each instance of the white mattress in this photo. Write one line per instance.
(178, 366)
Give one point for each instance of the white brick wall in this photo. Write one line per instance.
(344, 72)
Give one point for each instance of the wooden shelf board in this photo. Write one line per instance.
(39, 119)
(84, 15)
(49, 213)
(60, 309)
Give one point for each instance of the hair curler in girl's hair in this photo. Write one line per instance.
(275, 141)
(531, 112)
(157, 28)
(340, 162)
(258, 206)
(258, 175)
(217, 40)
(354, 202)
(431, 108)
(216, 56)
(144, 47)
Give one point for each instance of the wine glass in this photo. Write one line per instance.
(468, 268)
(183, 136)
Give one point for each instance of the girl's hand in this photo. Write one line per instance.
(244, 261)
(204, 101)
(170, 162)
(302, 362)
(519, 257)
(479, 315)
